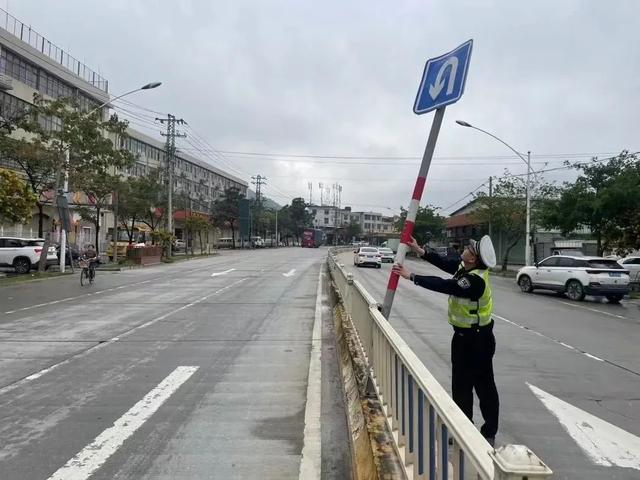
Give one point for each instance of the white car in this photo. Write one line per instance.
(23, 254)
(577, 277)
(387, 255)
(367, 256)
(632, 265)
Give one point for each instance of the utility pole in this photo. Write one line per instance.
(258, 181)
(310, 185)
(171, 135)
(321, 190)
(527, 245)
(490, 206)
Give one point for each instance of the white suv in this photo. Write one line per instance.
(632, 264)
(577, 277)
(23, 254)
(367, 256)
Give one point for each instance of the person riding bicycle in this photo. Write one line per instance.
(91, 255)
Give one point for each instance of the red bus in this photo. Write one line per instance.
(313, 237)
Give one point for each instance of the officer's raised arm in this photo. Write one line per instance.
(446, 264)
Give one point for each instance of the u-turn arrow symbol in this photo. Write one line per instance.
(438, 85)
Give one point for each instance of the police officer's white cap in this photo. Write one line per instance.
(484, 249)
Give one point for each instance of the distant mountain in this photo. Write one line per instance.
(268, 203)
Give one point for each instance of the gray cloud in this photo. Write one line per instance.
(329, 78)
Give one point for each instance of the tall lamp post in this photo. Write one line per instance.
(65, 188)
(527, 246)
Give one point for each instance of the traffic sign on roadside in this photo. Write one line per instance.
(443, 79)
(442, 84)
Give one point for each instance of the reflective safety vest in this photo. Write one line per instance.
(465, 313)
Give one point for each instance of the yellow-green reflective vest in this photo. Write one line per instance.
(464, 312)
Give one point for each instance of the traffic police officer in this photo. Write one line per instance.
(470, 307)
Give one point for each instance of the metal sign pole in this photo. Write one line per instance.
(407, 230)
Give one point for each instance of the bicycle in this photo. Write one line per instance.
(88, 272)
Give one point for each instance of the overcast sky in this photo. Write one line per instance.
(339, 78)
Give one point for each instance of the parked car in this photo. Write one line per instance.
(576, 276)
(387, 255)
(23, 254)
(632, 265)
(179, 245)
(367, 256)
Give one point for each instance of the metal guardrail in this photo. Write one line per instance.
(28, 35)
(419, 412)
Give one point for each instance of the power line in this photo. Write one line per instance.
(466, 196)
(392, 157)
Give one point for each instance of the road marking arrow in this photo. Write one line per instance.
(289, 273)
(215, 274)
(438, 85)
(602, 442)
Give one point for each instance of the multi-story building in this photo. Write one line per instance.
(29, 64)
(374, 226)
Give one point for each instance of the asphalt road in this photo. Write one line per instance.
(195, 370)
(586, 354)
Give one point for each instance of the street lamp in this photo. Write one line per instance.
(527, 246)
(65, 188)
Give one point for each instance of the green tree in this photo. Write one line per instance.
(354, 229)
(16, 199)
(429, 224)
(38, 166)
(225, 212)
(196, 224)
(30, 156)
(506, 209)
(77, 143)
(603, 198)
(98, 187)
(300, 217)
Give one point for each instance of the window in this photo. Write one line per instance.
(604, 263)
(16, 67)
(314, 211)
(326, 221)
(53, 86)
(550, 262)
(326, 212)
(11, 107)
(567, 262)
(367, 217)
(13, 243)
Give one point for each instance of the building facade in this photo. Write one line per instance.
(374, 226)
(30, 64)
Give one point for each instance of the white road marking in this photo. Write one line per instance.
(101, 345)
(290, 272)
(594, 357)
(30, 307)
(592, 310)
(94, 455)
(215, 274)
(604, 443)
(310, 463)
(566, 345)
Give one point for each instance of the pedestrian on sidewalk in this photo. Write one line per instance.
(470, 308)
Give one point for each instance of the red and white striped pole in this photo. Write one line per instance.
(407, 231)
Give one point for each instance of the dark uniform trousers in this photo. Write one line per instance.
(472, 351)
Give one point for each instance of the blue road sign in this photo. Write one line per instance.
(443, 79)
